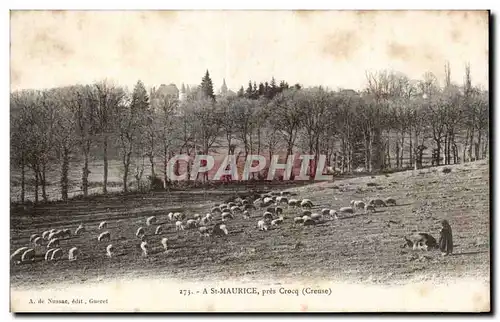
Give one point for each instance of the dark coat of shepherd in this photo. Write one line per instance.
(446, 238)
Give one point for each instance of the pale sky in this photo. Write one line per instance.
(329, 48)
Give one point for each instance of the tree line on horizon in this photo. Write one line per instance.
(55, 129)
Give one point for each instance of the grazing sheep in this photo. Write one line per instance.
(352, 203)
(226, 216)
(309, 222)
(104, 236)
(140, 232)
(103, 225)
(293, 202)
(306, 213)
(151, 221)
(358, 204)
(271, 209)
(79, 230)
(33, 237)
(377, 202)
(159, 230)
(223, 206)
(164, 242)
(52, 230)
(246, 215)
(203, 221)
(317, 217)
(28, 255)
(53, 242)
(203, 231)
(248, 207)
(235, 209)
(390, 201)
(422, 241)
(177, 216)
(196, 216)
(17, 255)
(45, 234)
(262, 225)
(170, 216)
(279, 210)
(333, 214)
(48, 254)
(73, 254)
(348, 210)
(281, 200)
(110, 250)
(304, 218)
(56, 254)
(277, 222)
(231, 205)
(191, 223)
(179, 225)
(268, 200)
(325, 211)
(66, 233)
(369, 208)
(209, 217)
(145, 248)
(306, 203)
(55, 234)
(268, 216)
(298, 220)
(37, 241)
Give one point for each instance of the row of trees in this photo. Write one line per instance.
(371, 128)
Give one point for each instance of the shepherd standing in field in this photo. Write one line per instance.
(445, 239)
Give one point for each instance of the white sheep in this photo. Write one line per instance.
(110, 250)
(54, 234)
(268, 216)
(53, 242)
(352, 203)
(231, 204)
(226, 216)
(159, 230)
(359, 204)
(377, 202)
(48, 254)
(369, 208)
(203, 221)
(390, 201)
(66, 233)
(170, 216)
(325, 211)
(37, 241)
(306, 203)
(28, 255)
(262, 225)
(45, 234)
(235, 209)
(215, 210)
(179, 225)
(151, 220)
(348, 210)
(246, 214)
(103, 225)
(80, 230)
(32, 238)
(293, 202)
(277, 221)
(203, 231)
(56, 254)
(104, 236)
(306, 213)
(52, 230)
(316, 217)
(298, 220)
(333, 214)
(140, 232)
(304, 218)
(16, 256)
(309, 222)
(191, 223)
(209, 217)
(73, 254)
(164, 242)
(196, 216)
(268, 200)
(145, 248)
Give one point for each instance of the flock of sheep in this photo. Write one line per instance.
(213, 223)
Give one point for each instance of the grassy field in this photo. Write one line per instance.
(359, 247)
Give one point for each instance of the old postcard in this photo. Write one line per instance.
(249, 161)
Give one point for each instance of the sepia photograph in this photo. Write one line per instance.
(250, 161)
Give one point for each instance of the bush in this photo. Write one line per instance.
(156, 184)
